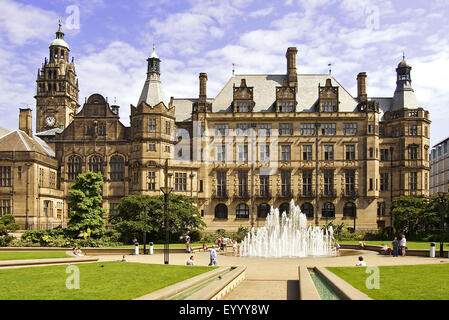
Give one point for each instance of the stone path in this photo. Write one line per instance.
(276, 279)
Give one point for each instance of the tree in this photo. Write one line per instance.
(85, 200)
(142, 213)
(412, 215)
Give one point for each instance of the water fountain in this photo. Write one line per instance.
(288, 236)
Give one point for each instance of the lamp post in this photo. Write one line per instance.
(27, 210)
(166, 191)
(441, 195)
(391, 191)
(192, 175)
(144, 218)
(317, 168)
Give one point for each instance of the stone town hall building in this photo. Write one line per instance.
(262, 141)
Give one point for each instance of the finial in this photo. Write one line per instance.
(330, 68)
(403, 55)
(233, 69)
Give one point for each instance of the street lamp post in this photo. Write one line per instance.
(391, 191)
(192, 175)
(144, 218)
(317, 168)
(27, 224)
(441, 195)
(166, 191)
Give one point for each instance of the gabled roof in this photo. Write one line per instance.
(3, 131)
(18, 140)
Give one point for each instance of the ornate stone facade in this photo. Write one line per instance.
(262, 141)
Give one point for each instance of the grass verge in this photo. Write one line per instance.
(98, 281)
(418, 282)
(28, 255)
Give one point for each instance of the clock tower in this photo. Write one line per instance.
(57, 87)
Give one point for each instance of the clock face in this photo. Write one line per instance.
(50, 121)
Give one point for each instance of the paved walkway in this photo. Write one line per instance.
(276, 279)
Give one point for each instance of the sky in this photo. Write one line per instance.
(111, 40)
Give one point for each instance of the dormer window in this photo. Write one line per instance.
(243, 107)
(285, 98)
(328, 98)
(286, 106)
(329, 106)
(243, 98)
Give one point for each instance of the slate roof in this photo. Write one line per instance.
(18, 140)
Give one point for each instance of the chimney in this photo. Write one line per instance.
(203, 87)
(291, 67)
(361, 87)
(25, 121)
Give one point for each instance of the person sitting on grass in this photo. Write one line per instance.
(124, 259)
(190, 262)
(78, 252)
(386, 250)
(361, 263)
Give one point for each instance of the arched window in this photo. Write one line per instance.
(349, 210)
(285, 207)
(73, 167)
(263, 210)
(242, 211)
(307, 209)
(328, 210)
(96, 164)
(117, 168)
(221, 211)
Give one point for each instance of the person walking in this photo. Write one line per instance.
(188, 248)
(213, 257)
(403, 245)
(395, 245)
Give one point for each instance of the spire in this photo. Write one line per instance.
(59, 41)
(59, 33)
(154, 63)
(404, 95)
(153, 92)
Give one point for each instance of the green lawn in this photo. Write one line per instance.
(113, 281)
(410, 244)
(27, 255)
(419, 282)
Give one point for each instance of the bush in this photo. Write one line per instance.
(88, 243)
(5, 241)
(8, 224)
(46, 238)
(19, 243)
(195, 235)
(111, 236)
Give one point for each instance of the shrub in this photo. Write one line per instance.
(20, 243)
(8, 224)
(111, 236)
(88, 243)
(45, 238)
(195, 235)
(5, 241)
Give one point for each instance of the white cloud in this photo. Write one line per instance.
(261, 13)
(23, 23)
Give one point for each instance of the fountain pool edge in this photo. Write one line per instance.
(343, 289)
